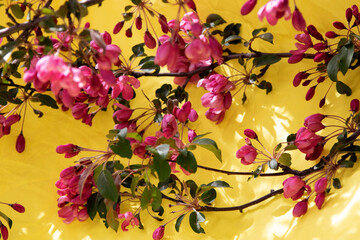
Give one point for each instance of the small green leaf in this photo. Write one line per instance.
(106, 186)
(257, 31)
(285, 159)
(232, 39)
(336, 183)
(136, 2)
(218, 184)
(210, 145)
(92, 204)
(163, 150)
(138, 50)
(333, 68)
(6, 218)
(215, 19)
(127, 16)
(266, 60)
(351, 149)
(156, 199)
(134, 183)
(48, 11)
(178, 222)
(46, 100)
(162, 167)
(195, 219)
(111, 219)
(193, 187)
(342, 88)
(18, 54)
(209, 196)
(267, 37)
(347, 164)
(17, 11)
(122, 148)
(345, 57)
(187, 160)
(277, 148)
(291, 137)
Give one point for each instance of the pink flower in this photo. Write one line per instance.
(129, 219)
(292, 186)
(70, 150)
(216, 49)
(197, 51)
(319, 200)
(159, 233)
(307, 141)
(321, 185)
(300, 208)
(298, 20)
(123, 114)
(18, 207)
(188, 19)
(247, 154)
(14, 118)
(167, 54)
(215, 115)
(248, 7)
(185, 112)
(313, 122)
(191, 135)
(169, 125)
(274, 10)
(51, 68)
(213, 100)
(250, 134)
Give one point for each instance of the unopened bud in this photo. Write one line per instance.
(20, 143)
(18, 207)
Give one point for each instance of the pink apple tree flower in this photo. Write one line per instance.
(292, 186)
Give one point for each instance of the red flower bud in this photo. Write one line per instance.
(20, 143)
(118, 27)
(321, 79)
(354, 105)
(321, 184)
(319, 56)
(295, 58)
(159, 233)
(163, 23)
(339, 25)
(331, 34)
(128, 33)
(314, 32)
(23, 7)
(248, 7)
(313, 122)
(355, 10)
(149, 40)
(322, 102)
(250, 134)
(319, 200)
(300, 208)
(310, 94)
(300, 76)
(87, 25)
(4, 231)
(298, 20)
(18, 207)
(348, 14)
(306, 83)
(320, 46)
(191, 4)
(70, 150)
(138, 23)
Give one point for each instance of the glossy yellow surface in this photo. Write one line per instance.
(29, 178)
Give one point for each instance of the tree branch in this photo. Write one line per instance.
(23, 26)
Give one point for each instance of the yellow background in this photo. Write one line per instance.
(29, 178)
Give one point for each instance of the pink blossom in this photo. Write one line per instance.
(10, 120)
(213, 100)
(313, 122)
(319, 199)
(215, 115)
(321, 185)
(51, 68)
(197, 51)
(248, 7)
(167, 54)
(308, 142)
(159, 233)
(247, 154)
(292, 186)
(274, 10)
(188, 19)
(129, 219)
(300, 208)
(123, 114)
(169, 125)
(191, 135)
(216, 49)
(298, 20)
(70, 150)
(185, 112)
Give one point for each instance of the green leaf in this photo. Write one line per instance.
(46, 100)
(18, 54)
(333, 68)
(285, 159)
(265, 85)
(267, 37)
(48, 11)
(163, 92)
(347, 164)
(218, 184)
(277, 148)
(136, 2)
(111, 219)
(145, 198)
(163, 150)
(266, 60)
(92, 204)
(127, 16)
(187, 160)
(209, 196)
(106, 186)
(134, 183)
(291, 137)
(345, 56)
(162, 167)
(122, 148)
(336, 183)
(195, 218)
(232, 39)
(150, 67)
(351, 149)
(210, 145)
(9, 97)
(17, 11)
(5, 49)
(156, 199)
(138, 50)
(257, 31)
(6, 218)
(342, 88)
(215, 19)
(178, 222)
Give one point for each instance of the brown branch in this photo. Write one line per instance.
(23, 26)
(242, 207)
(243, 173)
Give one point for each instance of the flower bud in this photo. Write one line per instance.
(70, 150)
(295, 58)
(4, 231)
(20, 143)
(310, 94)
(191, 135)
(321, 79)
(314, 32)
(320, 185)
(320, 46)
(348, 14)
(128, 33)
(319, 200)
(292, 186)
(12, 119)
(191, 4)
(355, 10)
(163, 23)
(247, 154)
(339, 25)
(138, 23)
(300, 76)
(298, 20)
(300, 208)
(322, 102)
(354, 105)
(18, 207)
(248, 7)
(331, 34)
(313, 122)
(118, 27)
(87, 25)
(250, 134)
(149, 40)
(159, 233)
